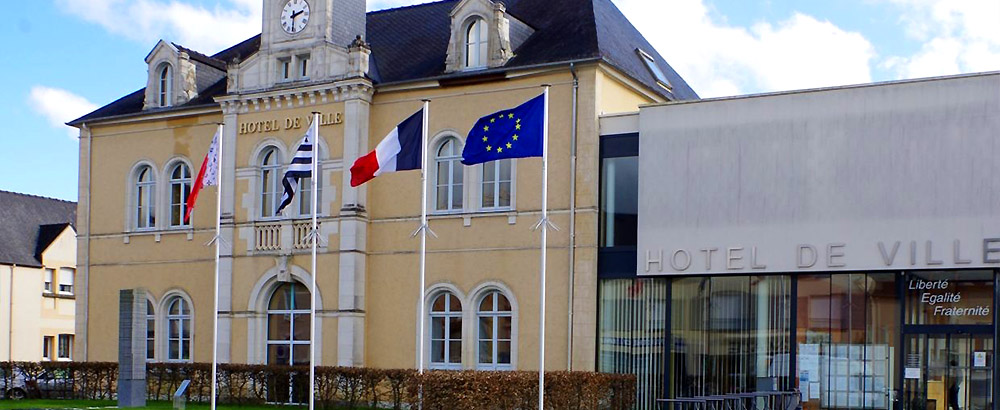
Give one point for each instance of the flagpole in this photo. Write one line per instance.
(545, 229)
(423, 232)
(215, 295)
(315, 238)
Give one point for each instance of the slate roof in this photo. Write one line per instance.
(410, 44)
(29, 224)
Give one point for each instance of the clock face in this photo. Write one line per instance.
(295, 16)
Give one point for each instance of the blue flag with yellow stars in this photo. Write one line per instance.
(513, 133)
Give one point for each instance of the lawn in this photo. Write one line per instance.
(153, 405)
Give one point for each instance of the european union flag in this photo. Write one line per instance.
(513, 133)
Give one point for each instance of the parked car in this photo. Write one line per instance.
(48, 384)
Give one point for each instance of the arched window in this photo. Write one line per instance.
(150, 332)
(304, 193)
(270, 189)
(476, 44)
(446, 332)
(178, 329)
(288, 325)
(449, 175)
(493, 336)
(180, 188)
(497, 184)
(165, 84)
(145, 198)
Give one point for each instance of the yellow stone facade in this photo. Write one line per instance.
(475, 250)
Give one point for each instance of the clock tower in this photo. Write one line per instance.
(302, 42)
(337, 22)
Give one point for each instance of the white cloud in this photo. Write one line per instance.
(956, 36)
(207, 30)
(59, 106)
(719, 59)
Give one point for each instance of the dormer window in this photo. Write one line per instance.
(476, 44)
(654, 69)
(165, 85)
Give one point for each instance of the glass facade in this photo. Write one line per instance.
(847, 334)
(633, 325)
(892, 340)
(729, 335)
(921, 340)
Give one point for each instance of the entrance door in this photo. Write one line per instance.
(948, 372)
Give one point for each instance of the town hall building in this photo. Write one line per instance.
(364, 73)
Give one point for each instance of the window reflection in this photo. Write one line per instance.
(632, 317)
(949, 298)
(730, 335)
(846, 340)
(619, 201)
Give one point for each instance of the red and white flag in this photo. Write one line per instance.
(207, 176)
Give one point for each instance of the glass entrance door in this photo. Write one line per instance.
(948, 372)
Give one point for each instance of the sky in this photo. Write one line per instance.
(65, 58)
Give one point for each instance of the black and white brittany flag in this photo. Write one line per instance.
(301, 167)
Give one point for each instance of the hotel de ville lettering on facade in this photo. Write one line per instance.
(363, 72)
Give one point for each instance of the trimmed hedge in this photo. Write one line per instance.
(348, 387)
(519, 390)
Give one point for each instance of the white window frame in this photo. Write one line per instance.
(495, 340)
(68, 338)
(185, 183)
(179, 319)
(151, 331)
(455, 168)
(47, 345)
(144, 199)
(165, 85)
(496, 185)
(446, 316)
(48, 281)
(276, 189)
(302, 66)
(285, 70)
(476, 43)
(67, 276)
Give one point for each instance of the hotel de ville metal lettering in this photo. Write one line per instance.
(289, 123)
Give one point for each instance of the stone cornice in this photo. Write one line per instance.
(308, 95)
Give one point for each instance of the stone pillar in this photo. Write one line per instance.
(353, 234)
(132, 348)
(83, 246)
(230, 121)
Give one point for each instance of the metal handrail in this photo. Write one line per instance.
(773, 400)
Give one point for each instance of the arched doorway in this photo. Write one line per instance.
(288, 342)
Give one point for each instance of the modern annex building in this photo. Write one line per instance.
(37, 278)
(843, 242)
(364, 72)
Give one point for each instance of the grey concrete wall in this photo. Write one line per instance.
(885, 176)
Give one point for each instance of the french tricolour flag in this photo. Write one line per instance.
(398, 151)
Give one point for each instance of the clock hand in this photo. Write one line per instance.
(296, 14)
